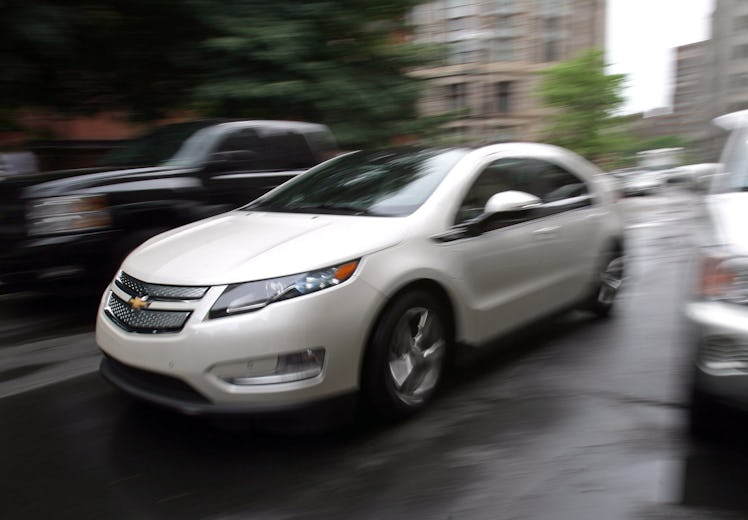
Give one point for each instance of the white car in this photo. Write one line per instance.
(360, 276)
(717, 315)
(645, 182)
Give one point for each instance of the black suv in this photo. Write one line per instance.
(72, 232)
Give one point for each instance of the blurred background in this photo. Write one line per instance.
(575, 419)
(80, 78)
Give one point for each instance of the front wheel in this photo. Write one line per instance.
(405, 359)
(608, 284)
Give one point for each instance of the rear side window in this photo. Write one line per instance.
(287, 150)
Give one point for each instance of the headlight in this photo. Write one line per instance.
(67, 214)
(725, 279)
(252, 296)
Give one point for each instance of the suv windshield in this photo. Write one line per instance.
(379, 183)
(154, 148)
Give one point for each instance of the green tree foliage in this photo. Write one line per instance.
(584, 100)
(662, 141)
(340, 62)
(81, 57)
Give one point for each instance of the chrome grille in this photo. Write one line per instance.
(135, 287)
(720, 352)
(144, 320)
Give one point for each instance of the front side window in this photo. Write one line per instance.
(496, 177)
(558, 184)
(547, 181)
(385, 183)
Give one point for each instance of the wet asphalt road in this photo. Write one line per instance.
(575, 419)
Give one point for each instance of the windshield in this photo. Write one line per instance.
(196, 149)
(380, 183)
(736, 163)
(153, 148)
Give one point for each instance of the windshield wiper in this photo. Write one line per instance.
(333, 209)
(343, 209)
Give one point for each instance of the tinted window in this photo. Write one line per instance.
(244, 139)
(382, 183)
(286, 150)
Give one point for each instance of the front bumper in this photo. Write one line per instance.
(50, 261)
(336, 319)
(174, 394)
(720, 331)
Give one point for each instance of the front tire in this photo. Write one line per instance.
(704, 418)
(608, 283)
(405, 359)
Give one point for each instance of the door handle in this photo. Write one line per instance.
(546, 233)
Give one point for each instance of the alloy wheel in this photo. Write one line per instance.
(416, 355)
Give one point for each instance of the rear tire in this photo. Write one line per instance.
(406, 357)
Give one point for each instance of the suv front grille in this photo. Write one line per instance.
(144, 320)
(12, 224)
(135, 287)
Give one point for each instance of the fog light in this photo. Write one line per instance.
(284, 368)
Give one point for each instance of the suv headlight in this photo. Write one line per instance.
(67, 214)
(725, 278)
(252, 296)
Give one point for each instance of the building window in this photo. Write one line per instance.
(552, 6)
(504, 97)
(457, 95)
(741, 23)
(460, 8)
(739, 81)
(740, 52)
(461, 28)
(551, 25)
(465, 51)
(551, 38)
(504, 49)
(550, 50)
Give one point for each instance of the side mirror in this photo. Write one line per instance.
(509, 201)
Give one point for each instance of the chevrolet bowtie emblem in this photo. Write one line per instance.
(139, 302)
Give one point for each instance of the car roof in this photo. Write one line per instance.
(732, 120)
(272, 125)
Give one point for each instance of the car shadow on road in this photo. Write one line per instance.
(715, 472)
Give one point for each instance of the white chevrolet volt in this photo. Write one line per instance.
(359, 276)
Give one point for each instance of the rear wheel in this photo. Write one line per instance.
(405, 360)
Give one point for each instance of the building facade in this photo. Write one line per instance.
(690, 95)
(495, 51)
(725, 74)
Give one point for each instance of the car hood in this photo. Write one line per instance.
(242, 246)
(97, 181)
(729, 214)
